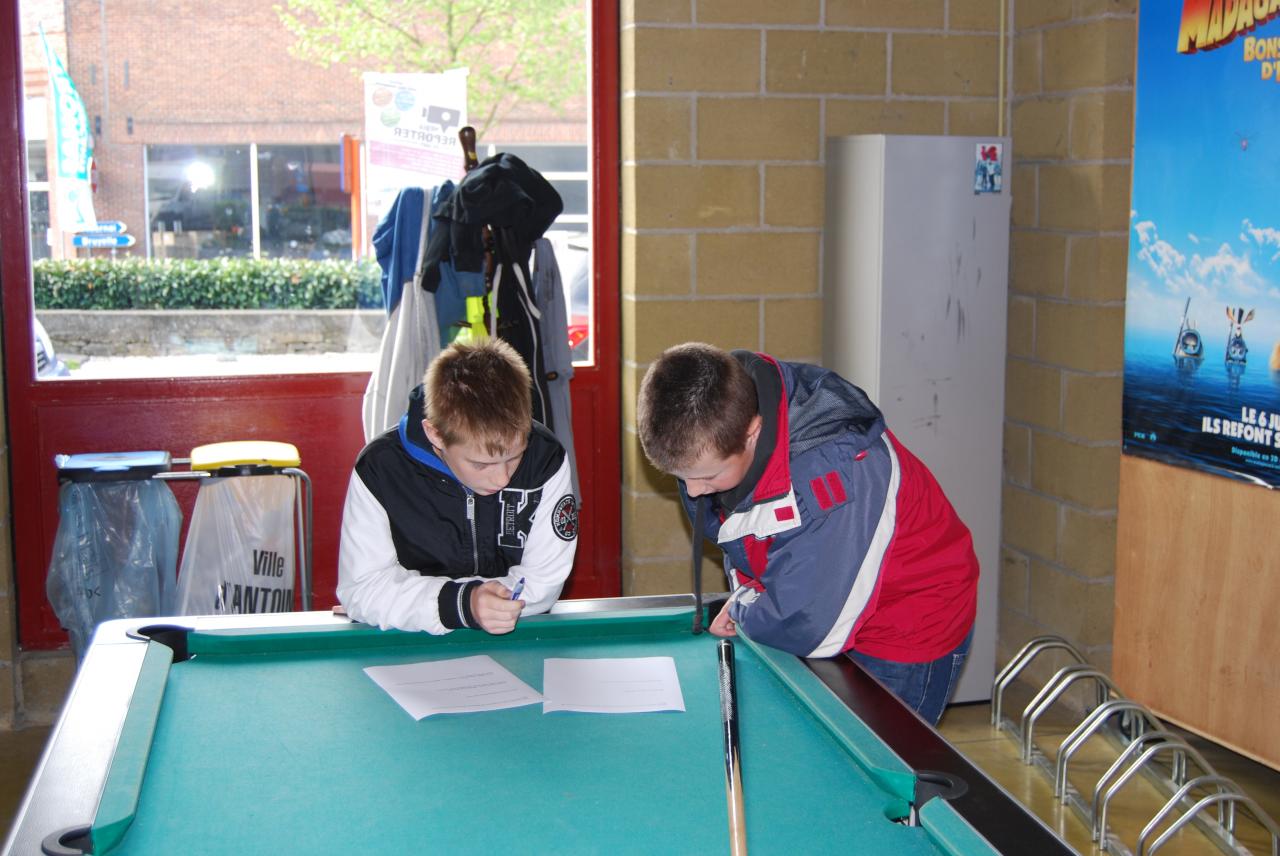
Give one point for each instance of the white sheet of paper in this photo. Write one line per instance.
(462, 685)
(611, 685)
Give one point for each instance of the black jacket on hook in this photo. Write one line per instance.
(507, 195)
(518, 205)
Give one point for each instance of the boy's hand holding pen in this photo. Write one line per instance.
(495, 607)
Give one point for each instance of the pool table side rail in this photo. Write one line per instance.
(118, 804)
(888, 769)
(290, 639)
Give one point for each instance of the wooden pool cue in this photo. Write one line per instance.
(732, 756)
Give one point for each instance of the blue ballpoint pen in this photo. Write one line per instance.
(518, 590)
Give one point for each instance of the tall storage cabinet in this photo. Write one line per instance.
(915, 291)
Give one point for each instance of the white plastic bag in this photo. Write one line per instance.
(114, 554)
(239, 556)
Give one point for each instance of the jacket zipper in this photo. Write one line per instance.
(471, 519)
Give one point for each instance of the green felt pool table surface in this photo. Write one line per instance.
(272, 739)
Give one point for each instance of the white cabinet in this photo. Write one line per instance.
(915, 291)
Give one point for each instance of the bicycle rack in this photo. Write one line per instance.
(1218, 799)
(1053, 690)
(1166, 741)
(1140, 737)
(1096, 720)
(1020, 661)
(1223, 784)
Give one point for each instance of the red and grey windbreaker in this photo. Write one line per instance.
(846, 540)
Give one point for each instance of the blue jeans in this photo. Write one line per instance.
(924, 687)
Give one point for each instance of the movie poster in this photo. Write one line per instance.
(1202, 320)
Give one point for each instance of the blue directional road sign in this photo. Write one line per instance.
(100, 240)
(110, 227)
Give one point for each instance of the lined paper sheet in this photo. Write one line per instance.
(462, 685)
(611, 685)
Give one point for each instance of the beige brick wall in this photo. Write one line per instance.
(726, 106)
(1071, 112)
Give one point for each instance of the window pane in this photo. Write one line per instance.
(574, 196)
(551, 158)
(38, 202)
(234, 229)
(37, 162)
(303, 210)
(198, 198)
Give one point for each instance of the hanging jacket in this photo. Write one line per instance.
(517, 320)
(553, 325)
(452, 287)
(839, 537)
(507, 195)
(397, 242)
(416, 541)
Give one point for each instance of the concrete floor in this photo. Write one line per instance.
(967, 726)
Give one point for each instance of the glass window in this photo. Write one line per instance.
(198, 201)
(303, 210)
(233, 193)
(35, 119)
(39, 207)
(37, 164)
(550, 158)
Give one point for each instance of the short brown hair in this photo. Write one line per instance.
(695, 397)
(479, 392)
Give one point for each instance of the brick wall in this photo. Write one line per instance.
(726, 106)
(1072, 119)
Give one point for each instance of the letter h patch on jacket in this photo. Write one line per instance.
(828, 490)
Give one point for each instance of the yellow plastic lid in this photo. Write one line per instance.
(214, 456)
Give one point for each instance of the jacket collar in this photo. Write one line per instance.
(413, 439)
(765, 503)
(769, 475)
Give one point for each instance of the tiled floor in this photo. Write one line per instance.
(967, 726)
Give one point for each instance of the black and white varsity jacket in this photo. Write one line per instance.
(415, 541)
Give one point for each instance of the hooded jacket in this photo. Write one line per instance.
(416, 541)
(839, 538)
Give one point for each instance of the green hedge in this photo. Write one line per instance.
(134, 283)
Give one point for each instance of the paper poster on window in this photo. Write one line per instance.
(411, 124)
(1202, 317)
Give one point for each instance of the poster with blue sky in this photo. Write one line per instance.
(1202, 318)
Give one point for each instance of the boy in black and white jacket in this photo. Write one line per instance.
(462, 508)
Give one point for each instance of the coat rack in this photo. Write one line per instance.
(467, 137)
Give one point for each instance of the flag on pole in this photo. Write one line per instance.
(73, 148)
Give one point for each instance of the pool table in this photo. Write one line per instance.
(262, 734)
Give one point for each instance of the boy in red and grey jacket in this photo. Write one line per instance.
(837, 540)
